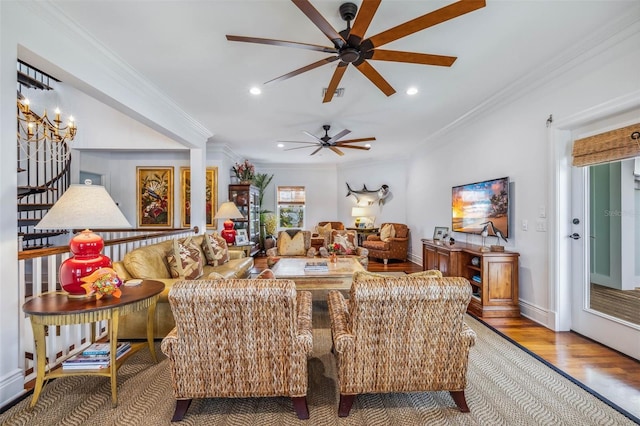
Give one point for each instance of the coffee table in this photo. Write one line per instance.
(338, 277)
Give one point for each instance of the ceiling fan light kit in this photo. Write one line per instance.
(351, 47)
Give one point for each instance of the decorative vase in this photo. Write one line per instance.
(245, 182)
(333, 258)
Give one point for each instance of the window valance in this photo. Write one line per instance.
(614, 145)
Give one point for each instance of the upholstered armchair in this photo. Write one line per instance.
(239, 338)
(393, 246)
(348, 241)
(292, 243)
(401, 334)
(321, 233)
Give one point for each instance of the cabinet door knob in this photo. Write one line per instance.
(574, 236)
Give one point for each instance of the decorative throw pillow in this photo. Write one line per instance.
(288, 246)
(387, 232)
(267, 274)
(185, 260)
(323, 229)
(347, 244)
(215, 249)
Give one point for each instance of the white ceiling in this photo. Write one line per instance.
(180, 46)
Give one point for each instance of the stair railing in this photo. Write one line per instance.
(38, 274)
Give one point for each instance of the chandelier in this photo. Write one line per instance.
(39, 135)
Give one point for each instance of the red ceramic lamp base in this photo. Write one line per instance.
(86, 247)
(228, 233)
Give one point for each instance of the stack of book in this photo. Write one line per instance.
(316, 267)
(95, 356)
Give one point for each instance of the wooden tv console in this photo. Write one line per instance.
(493, 275)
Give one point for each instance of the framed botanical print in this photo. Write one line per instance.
(211, 194)
(155, 196)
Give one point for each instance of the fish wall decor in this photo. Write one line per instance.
(369, 196)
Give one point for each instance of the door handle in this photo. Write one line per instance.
(574, 236)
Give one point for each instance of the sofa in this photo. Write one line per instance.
(150, 262)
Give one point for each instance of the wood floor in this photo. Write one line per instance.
(607, 372)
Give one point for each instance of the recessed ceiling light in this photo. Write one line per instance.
(280, 145)
(368, 145)
(255, 91)
(412, 90)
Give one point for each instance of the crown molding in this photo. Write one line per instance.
(600, 40)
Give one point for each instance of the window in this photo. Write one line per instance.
(291, 201)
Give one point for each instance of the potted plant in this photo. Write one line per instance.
(261, 181)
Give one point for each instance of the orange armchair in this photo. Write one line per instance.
(395, 247)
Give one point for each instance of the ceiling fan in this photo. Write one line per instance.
(350, 46)
(331, 142)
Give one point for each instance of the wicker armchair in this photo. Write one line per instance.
(239, 338)
(401, 334)
(396, 247)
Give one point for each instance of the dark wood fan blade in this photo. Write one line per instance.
(411, 57)
(335, 80)
(356, 140)
(368, 71)
(314, 152)
(367, 10)
(364, 148)
(343, 133)
(304, 69)
(425, 21)
(298, 147)
(320, 22)
(336, 150)
(282, 43)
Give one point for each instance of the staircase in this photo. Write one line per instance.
(44, 161)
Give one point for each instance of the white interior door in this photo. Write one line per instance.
(598, 241)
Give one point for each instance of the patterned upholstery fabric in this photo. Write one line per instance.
(239, 338)
(393, 248)
(299, 245)
(401, 334)
(320, 236)
(215, 249)
(185, 260)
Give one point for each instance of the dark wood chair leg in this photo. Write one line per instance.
(300, 407)
(460, 400)
(344, 406)
(182, 405)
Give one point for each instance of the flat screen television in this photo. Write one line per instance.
(476, 203)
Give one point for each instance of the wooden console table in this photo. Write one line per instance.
(493, 275)
(59, 309)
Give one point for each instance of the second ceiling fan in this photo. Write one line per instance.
(350, 46)
(331, 142)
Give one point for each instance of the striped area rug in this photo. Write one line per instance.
(506, 386)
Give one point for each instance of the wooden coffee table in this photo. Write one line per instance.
(338, 277)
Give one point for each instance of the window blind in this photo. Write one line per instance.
(614, 145)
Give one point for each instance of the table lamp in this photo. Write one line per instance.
(228, 211)
(83, 206)
(362, 215)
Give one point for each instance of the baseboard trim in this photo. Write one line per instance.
(536, 314)
(12, 388)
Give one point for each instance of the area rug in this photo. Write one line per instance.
(506, 386)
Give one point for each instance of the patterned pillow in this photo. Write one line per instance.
(388, 231)
(288, 246)
(185, 260)
(215, 249)
(322, 229)
(346, 240)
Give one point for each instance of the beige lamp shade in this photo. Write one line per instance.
(84, 206)
(228, 210)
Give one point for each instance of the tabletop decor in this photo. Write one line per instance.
(245, 172)
(102, 282)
